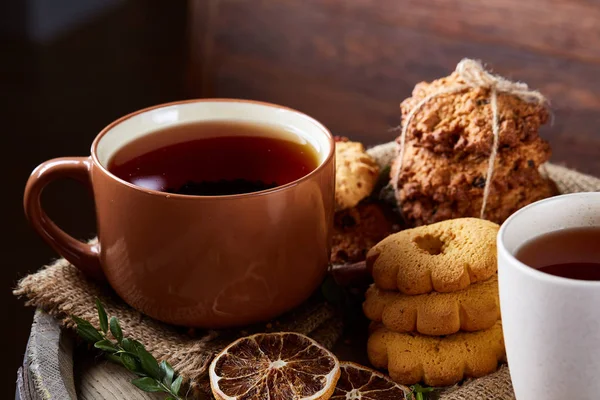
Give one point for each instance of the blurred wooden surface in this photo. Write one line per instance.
(349, 63)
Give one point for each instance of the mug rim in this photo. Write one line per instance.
(152, 192)
(532, 272)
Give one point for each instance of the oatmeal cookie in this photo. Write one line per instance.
(355, 174)
(462, 122)
(434, 188)
(358, 229)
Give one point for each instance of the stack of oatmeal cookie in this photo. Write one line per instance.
(434, 305)
(359, 222)
(447, 150)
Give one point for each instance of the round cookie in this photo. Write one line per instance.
(473, 309)
(436, 361)
(434, 188)
(442, 257)
(356, 174)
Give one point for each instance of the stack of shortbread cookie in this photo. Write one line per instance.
(434, 303)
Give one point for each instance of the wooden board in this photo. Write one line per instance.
(47, 372)
(53, 371)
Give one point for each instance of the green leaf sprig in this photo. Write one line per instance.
(153, 376)
(419, 392)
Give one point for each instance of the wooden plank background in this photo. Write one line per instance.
(349, 63)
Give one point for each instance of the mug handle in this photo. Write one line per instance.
(84, 256)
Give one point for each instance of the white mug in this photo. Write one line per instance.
(551, 324)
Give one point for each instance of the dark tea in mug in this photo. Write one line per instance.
(571, 253)
(215, 158)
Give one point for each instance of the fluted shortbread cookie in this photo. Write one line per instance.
(472, 309)
(442, 257)
(436, 361)
(356, 173)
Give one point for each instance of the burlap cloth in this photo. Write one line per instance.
(62, 290)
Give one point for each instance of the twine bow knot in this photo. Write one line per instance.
(474, 76)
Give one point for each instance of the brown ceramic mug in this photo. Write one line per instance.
(205, 261)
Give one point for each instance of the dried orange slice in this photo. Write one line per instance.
(273, 366)
(358, 382)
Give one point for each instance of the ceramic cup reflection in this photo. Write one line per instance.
(205, 261)
(551, 324)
